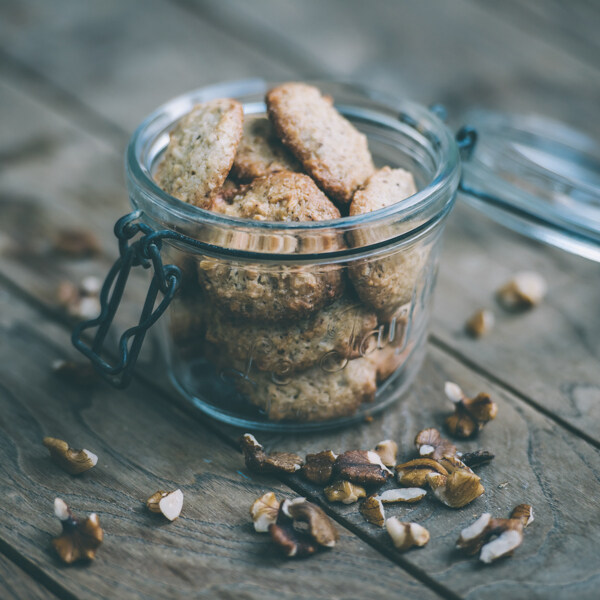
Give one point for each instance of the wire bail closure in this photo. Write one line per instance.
(145, 251)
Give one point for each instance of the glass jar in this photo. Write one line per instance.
(299, 325)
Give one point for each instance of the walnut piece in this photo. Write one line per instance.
(470, 414)
(80, 302)
(525, 290)
(459, 487)
(69, 459)
(345, 492)
(302, 528)
(372, 510)
(361, 466)
(169, 504)
(406, 535)
(414, 472)
(258, 460)
(408, 495)
(477, 458)
(264, 512)
(387, 450)
(431, 444)
(480, 323)
(495, 538)
(79, 540)
(318, 467)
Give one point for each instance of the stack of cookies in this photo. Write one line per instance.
(310, 342)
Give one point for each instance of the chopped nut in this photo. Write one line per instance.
(387, 450)
(414, 472)
(372, 510)
(264, 512)
(406, 535)
(471, 414)
(80, 302)
(508, 534)
(524, 513)
(361, 466)
(79, 373)
(431, 444)
(70, 460)
(409, 495)
(480, 323)
(301, 528)
(477, 458)
(79, 540)
(460, 487)
(318, 467)
(276, 462)
(77, 243)
(525, 290)
(344, 491)
(169, 504)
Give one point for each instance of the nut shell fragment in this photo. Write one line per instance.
(345, 492)
(264, 512)
(80, 539)
(69, 459)
(372, 510)
(406, 535)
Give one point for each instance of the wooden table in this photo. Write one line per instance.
(75, 79)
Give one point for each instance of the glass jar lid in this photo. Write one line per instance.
(536, 176)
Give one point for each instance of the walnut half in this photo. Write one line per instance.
(470, 414)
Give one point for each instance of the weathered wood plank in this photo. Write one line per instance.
(15, 584)
(144, 444)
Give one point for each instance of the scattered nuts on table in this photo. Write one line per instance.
(361, 466)
(431, 444)
(169, 504)
(387, 450)
(79, 540)
(76, 243)
(470, 414)
(372, 510)
(302, 528)
(69, 459)
(480, 323)
(80, 302)
(525, 290)
(345, 492)
(408, 495)
(507, 534)
(318, 467)
(406, 535)
(276, 462)
(414, 472)
(264, 512)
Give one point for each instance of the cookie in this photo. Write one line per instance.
(280, 196)
(201, 151)
(313, 395)
(334, 333)
(332, 151)
(271, 291)
(385, 282)
(260, 152)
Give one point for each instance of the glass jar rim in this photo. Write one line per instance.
(419, 117)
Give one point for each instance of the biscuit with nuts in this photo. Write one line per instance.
(332, 151)
(260, 152)
(334, 333)
(201, 150)
(274, 292)
(385, 282)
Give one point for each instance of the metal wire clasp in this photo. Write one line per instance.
(145, 251)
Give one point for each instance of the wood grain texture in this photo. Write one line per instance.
(144, 444)
(15, 584)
